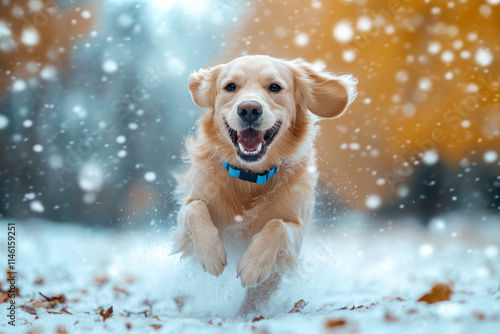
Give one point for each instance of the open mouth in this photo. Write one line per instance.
(252, 143)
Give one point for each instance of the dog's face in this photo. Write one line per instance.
(259, 106)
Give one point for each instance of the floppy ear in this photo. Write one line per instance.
(202, 86)
(325, 95)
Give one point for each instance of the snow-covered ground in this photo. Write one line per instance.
(382, 266)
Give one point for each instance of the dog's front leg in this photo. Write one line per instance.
(205, 238)
(277, 238)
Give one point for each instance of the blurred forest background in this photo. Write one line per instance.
(94, 104)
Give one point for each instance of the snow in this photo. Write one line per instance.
(447, 56)
(109, 66)
(490, 157)
(425, 84)
(86, 14)
(30, 36)
(430, 157)
(402, 76)
(483, 57)
(364, 23)
(373, 202)
(37, 206)
(302, 39)
(343, 31)
(358, 261)
(348, 56)
(18, 85)
(35, 5)
(37, 148)
(28, 123)
(4, 122)
(48, 72)
(90, 177)
(125, 20)
(121, 139)
(150, 176)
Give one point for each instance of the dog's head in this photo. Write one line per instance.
(260, 107)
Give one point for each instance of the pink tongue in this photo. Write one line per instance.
(251, 138)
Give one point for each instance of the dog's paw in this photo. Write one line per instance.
(211, 254)
(256, 264)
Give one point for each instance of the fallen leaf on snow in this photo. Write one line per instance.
(29, 309)
(61, 330)
(4, 296)
(298, 306)
(62, 311)
(129, 279)
(118, 291)
(389, 317)
(334, 323)
(39, 281)
(107, 314)
(101, 279)
(180, 301)
(156, 327)
(440, 292)
(259, 318)
(49, 302)
(479, 315)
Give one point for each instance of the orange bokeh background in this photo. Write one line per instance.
(408, 87)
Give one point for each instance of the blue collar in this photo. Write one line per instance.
(247, 175)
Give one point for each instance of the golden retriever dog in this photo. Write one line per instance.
(252, 176)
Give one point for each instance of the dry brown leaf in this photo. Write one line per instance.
(61, 311)
(4, 296)
(371, 305)
(259, 318)
(156, 317)
(61, 330)
(334, 323)
(180, 302)
(298, 306)
(479, 315)
(440, 292)
(101, 279)
(35, 331)
(389, 317)
(49, 302)
(118, 291)
(128, 325)
(29, 309)
(129, 279)
(156, 327)
(107, 314)
(39, 281)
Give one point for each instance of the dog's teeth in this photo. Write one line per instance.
(258, 148)
(242, 149)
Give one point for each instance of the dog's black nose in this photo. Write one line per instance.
(250, 111)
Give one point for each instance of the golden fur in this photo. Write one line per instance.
(270, 219)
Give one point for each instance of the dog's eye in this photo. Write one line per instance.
(274, 88)
(230, 87)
